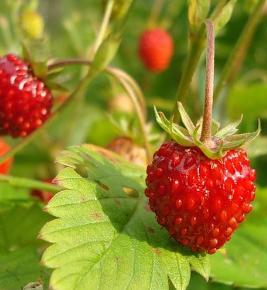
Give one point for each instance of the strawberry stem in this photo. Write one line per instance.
(207, 113)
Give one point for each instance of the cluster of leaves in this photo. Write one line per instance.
(100, 227)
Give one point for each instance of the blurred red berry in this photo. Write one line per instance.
(156, 49)
(25, 101)
(6, 165)
(200, 201)
(43, 196)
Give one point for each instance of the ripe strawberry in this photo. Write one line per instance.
(200, 201)
(43, 196)
(156, 49)
(200, 192)
(25, 101)
(5, 166)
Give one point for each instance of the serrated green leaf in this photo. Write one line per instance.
(18, 268)
(197, 13)
(230, 129)
(225, 15)
(243, 261)
(105, 236)
(186, 119)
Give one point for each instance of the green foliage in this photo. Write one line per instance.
(249, 100)
(104, 236)
(19, 267)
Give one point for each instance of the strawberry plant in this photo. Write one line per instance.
(125, 157)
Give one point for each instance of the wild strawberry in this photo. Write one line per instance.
(5, 166)
(200, 201)
(156, 49)
(43, 196)
(200, 185)
(25, 101)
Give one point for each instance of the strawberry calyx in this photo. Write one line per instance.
(40, 67)
(189, 135)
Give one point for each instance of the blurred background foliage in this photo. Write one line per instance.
(70, 30)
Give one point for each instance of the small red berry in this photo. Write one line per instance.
(156, 49)
(5, 166)
(43, 196)
(203, 200)
(25, 101)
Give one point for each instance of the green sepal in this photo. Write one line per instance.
(230, 129)
(186, 119)
(221, 140)
(40, 69)
(172, 129)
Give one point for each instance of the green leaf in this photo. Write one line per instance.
(243, 262)
(18, 268)
(225, 15)
(197, 13)
(104, 235)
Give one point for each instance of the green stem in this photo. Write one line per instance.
(29, 183)
(236, 59)
(103, 29)
(196, 49)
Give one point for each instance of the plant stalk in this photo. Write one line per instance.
(29, 183)
(207, 113)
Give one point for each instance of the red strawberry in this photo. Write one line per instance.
(25, 101)
(5, 166)
(200, 201)
(199, 191)
(156, 49)
(43, 196)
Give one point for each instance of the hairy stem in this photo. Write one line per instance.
(236, 59)
(29, 183)
(207, 113)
